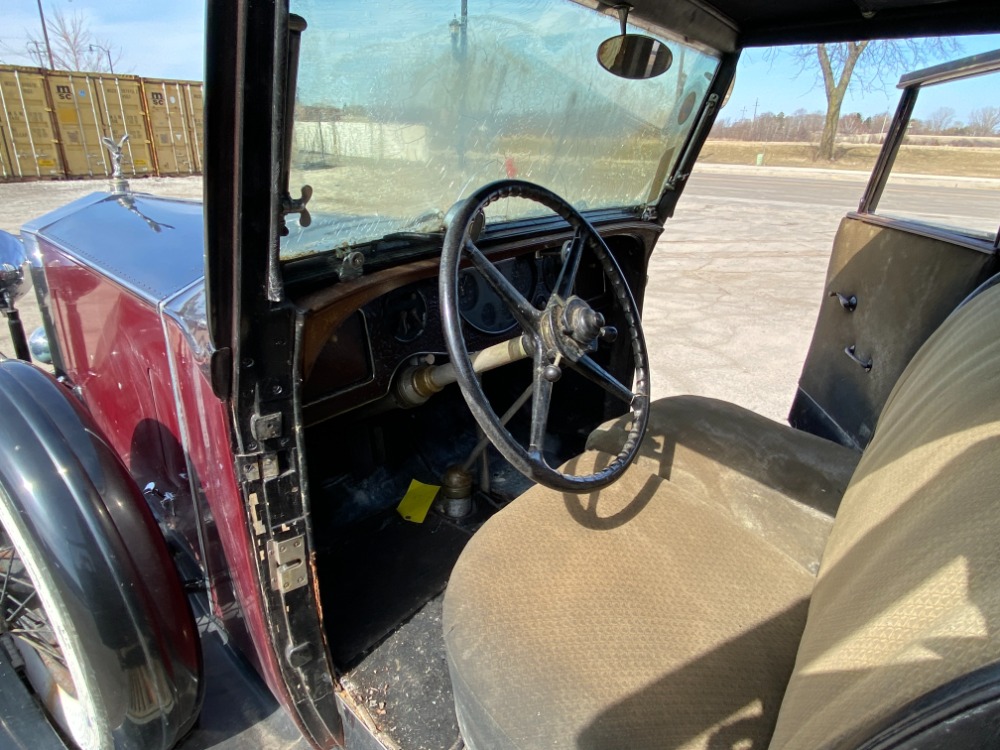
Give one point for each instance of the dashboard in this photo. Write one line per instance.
(355, 345)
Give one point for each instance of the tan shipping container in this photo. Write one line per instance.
(28, 144)
(196, 123)
(89, 106)
(172, 124)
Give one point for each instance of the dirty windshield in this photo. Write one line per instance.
(404, 107)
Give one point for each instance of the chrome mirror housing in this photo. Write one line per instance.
(15, 274)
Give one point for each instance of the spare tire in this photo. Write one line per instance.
(96, 608)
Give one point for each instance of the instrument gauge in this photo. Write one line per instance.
(406, 315)
(468, 291)
(481, 307)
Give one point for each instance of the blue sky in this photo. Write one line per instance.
(157, 39)
(772, 86)
(166, 39)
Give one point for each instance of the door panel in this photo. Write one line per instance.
(905, 284)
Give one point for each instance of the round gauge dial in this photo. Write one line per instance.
(481, 307)
(468, 291)
(405, 315)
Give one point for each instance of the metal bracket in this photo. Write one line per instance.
(287, 563)
(352, 266)
(269, 466)
(249, 467)
(266, 426)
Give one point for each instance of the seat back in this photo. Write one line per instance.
(908, 595)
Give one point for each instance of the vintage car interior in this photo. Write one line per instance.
(704, 596)
(447, 513)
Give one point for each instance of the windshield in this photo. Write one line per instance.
(404, 107)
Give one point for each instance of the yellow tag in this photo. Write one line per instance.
(417, 501)
(46, 162)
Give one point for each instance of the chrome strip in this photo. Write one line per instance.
(984, 62)
(186, 441)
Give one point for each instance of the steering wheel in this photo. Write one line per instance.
(562, 335)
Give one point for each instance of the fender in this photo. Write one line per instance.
(107, 560)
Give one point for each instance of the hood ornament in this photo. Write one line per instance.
(117, 184)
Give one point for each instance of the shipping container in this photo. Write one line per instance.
(28, 143)
(52, 123)
(196, 124)
(91, 106)
(172, 124)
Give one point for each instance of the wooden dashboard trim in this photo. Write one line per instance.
(325, 310)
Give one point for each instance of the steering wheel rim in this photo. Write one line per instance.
(565, 332)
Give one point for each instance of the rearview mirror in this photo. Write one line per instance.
(634, 56)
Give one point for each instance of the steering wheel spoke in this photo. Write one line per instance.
(523, 311)
(587, 367)
(541, 400)
(571, 258)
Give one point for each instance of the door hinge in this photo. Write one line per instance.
(286, 561)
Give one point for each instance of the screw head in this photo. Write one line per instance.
(551, 373)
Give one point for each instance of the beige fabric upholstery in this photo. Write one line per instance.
(908, 596)
(779, 483)
(639, 617)
(657, 614)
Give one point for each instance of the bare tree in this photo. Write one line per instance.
(939, 120)
(865, 65)
(74, 45)
(984, 121)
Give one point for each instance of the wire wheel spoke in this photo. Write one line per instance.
(41, 645)
(21, 614)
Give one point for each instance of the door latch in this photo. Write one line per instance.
(866, 364)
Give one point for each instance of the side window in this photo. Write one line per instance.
(947, 171)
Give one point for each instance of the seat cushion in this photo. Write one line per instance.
(780, 483)
(640, 616)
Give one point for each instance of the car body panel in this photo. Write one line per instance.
(126, 297)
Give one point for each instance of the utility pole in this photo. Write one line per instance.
(107, 52)
(465, 27)
(45, 34)
(38, 56)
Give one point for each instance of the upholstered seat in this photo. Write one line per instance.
(777, 482)
(670, 610)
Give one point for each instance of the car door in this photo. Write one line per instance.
(916, 247)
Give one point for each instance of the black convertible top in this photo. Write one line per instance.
(728, 24)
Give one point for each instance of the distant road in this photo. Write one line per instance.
(844, 191)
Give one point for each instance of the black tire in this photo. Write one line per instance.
(79, 533)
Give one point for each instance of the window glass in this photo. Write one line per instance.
(391, 129)
(947, 171)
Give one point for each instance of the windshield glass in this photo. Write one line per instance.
(404, 107)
